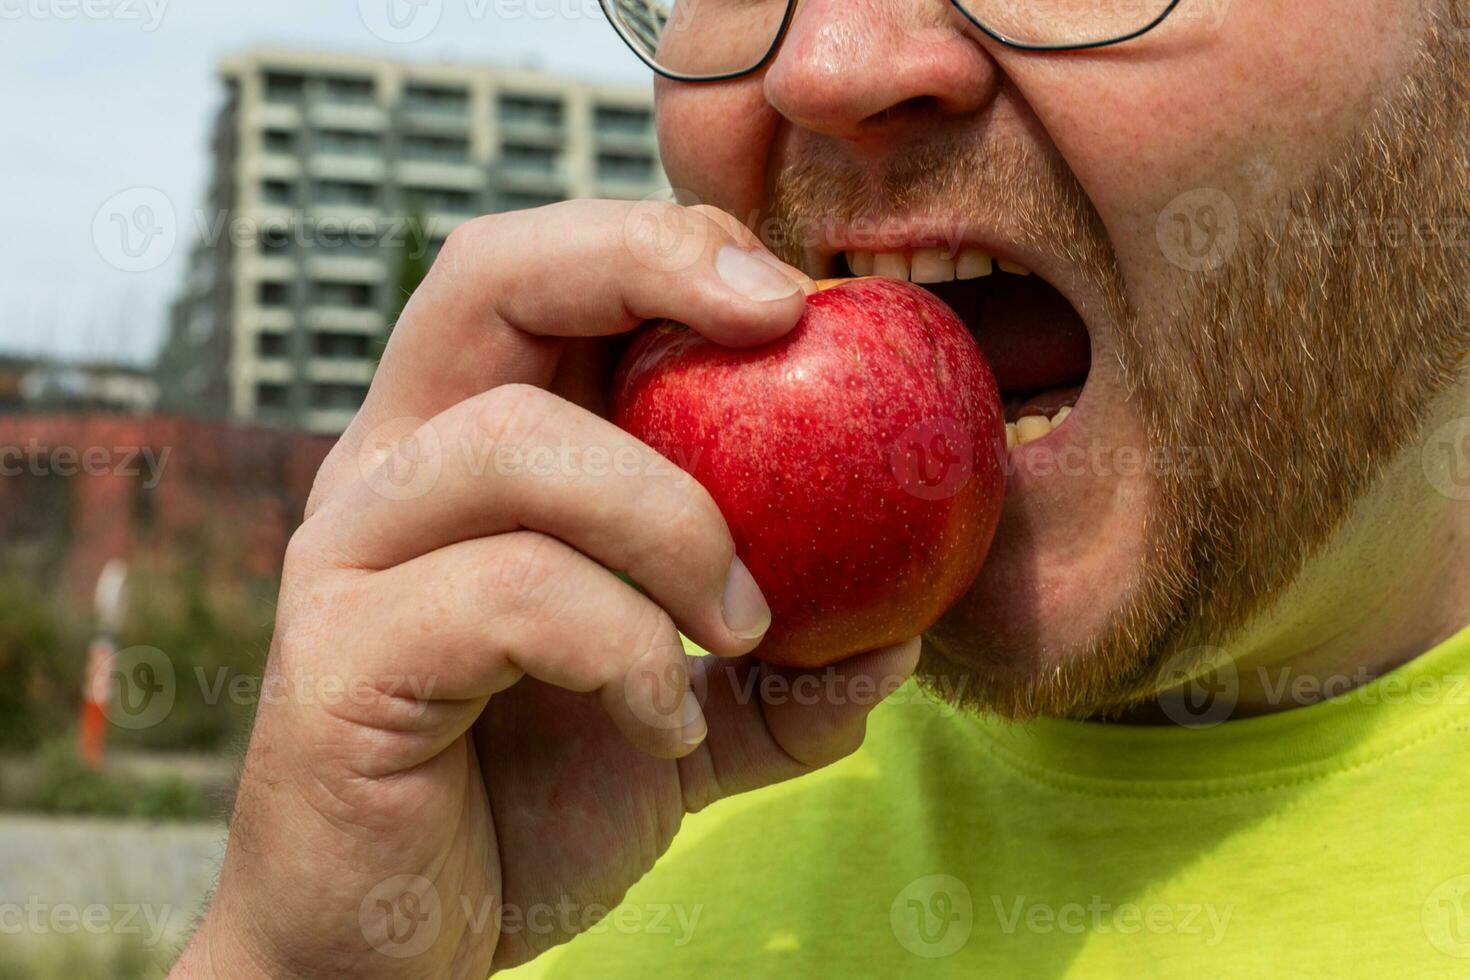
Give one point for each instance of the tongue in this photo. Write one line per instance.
(1032, 337)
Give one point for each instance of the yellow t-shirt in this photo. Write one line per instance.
(1326, 841)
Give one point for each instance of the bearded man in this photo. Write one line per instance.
(1205, 709)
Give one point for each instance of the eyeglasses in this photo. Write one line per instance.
(712, 40)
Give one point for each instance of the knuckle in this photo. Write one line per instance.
(652, 646)
(468, 240)
(322, 483)
(654, 631)
(691, 529)
(523, 572)
(514, 413)
(303, 551)
(316, 603)
(654, 228)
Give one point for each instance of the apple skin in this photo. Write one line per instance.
(858, 460)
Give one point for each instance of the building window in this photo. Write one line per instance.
(349, 91)
(528, 159)
(275, 240)
(435, 149)
(356, 244)
(274, 294)
(346, 192)
(337, 397)
(341, 346)
(439, 199)
(272, 344)
(347, 143)
(624, 166)
(622, 122)
(279, 141)
(270, 395)
(348, 295)
(436, 98)
(284, 87)
(278, 192)
(530, 109)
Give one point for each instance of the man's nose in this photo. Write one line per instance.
(861, 70)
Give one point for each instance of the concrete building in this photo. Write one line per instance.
(335, 180)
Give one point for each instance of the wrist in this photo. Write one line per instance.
(218, 951)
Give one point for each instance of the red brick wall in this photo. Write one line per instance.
(213, 478)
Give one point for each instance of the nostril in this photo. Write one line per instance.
(856, 71)
(919, 106)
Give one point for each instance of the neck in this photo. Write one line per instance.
(1394, 583)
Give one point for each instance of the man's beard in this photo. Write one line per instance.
(1301, 367)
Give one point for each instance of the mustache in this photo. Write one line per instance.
(1005, 183)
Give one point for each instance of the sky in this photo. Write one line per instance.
(105, 102)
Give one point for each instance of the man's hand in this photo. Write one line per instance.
(483, 717)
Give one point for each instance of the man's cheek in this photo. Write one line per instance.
(715, 141)
(1250, 105)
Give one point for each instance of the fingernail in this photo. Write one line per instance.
(746, 613)
(749, 274)
(693, 728)
(807, 283)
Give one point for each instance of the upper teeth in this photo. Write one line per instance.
(926, 265)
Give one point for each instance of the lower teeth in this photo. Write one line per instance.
(1030, 428)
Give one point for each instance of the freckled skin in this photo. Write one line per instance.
(857, 531)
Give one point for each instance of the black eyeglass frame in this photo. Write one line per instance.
(989, 32)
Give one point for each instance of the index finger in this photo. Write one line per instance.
(506, 287)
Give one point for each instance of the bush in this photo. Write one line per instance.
(66, 785)
(31, 637)
(209, 639)
(210, 634)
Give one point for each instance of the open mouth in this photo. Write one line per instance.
(1035, 340)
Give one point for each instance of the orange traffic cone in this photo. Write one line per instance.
(96, 696)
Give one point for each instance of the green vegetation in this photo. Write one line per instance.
(33, 681)
(209, 640)
(65, 785)
(71, 957)
(215, 639)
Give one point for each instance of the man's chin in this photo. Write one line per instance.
(1051, 626)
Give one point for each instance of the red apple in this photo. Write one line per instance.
(857, 460)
